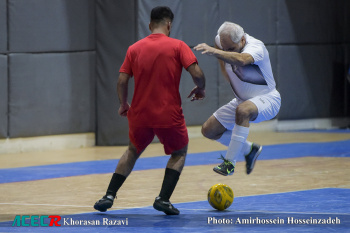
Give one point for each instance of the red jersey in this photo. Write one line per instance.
(156, 63)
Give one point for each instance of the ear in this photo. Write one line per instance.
(149, 26)
(243, 40)
(169, 25)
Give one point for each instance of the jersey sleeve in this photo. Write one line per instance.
(256, 50)
(187, 57)
(127, 64)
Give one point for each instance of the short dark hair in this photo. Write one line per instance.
(161, 13)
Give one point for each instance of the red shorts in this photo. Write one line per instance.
(173, 139)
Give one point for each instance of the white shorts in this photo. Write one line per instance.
(268, 106)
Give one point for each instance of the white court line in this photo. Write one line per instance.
(301, 190)
(234, 211)
(42, 205)
(256, 195)
(28, 204)
(268, 212)
(193, 202)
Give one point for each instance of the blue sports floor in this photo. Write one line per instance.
(286, 209)
(296, 211)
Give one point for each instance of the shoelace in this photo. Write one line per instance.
(165, 202)
(168, 203)
(109, 197)
(226, 161)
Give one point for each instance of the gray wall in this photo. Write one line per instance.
(3, 96)
(115, 31)
(59, 59)
(3, 70)
(47, 67)
(311, 46)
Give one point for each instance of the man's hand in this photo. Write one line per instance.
(199, 93)
(123, 109)
(206, 49)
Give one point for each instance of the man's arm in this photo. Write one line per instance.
(197, 75)
(199, 80)
(222, 66)
(233, 58)
(122, 89)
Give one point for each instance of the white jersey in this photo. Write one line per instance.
(254, 79)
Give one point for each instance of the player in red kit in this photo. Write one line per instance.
(156, 64)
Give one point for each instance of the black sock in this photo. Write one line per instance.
(116, 182)
(170, 180)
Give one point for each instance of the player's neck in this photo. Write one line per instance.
(160, 30)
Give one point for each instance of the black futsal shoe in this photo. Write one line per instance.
(165, 206)
(226, 168)
(252, 156)
(104, 203)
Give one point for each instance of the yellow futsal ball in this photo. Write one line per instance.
(220, 196)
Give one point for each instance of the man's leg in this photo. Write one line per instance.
(122, 171)
(172, 173)
(219, 126)
(140, 138)
(124, 167)
(213, 129)
(245, 112)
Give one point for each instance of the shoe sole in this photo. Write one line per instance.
(167, 212)
(254, 160)
(102, 208)
(221, 173)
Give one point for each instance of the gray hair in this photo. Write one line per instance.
(235, 31)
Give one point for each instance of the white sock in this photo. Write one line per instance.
(238, 139)
(247, 147)
(225, 138)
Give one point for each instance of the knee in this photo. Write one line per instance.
(132, 148)
(132, 152)
(206, 132)
(178, 156)
(243, 113)
(180, 153)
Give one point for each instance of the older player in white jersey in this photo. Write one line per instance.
(245, 63)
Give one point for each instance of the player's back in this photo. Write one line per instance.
(155, 56)
(157, 68)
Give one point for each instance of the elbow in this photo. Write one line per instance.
(123, 79)
(120, 82)
(243, 61)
